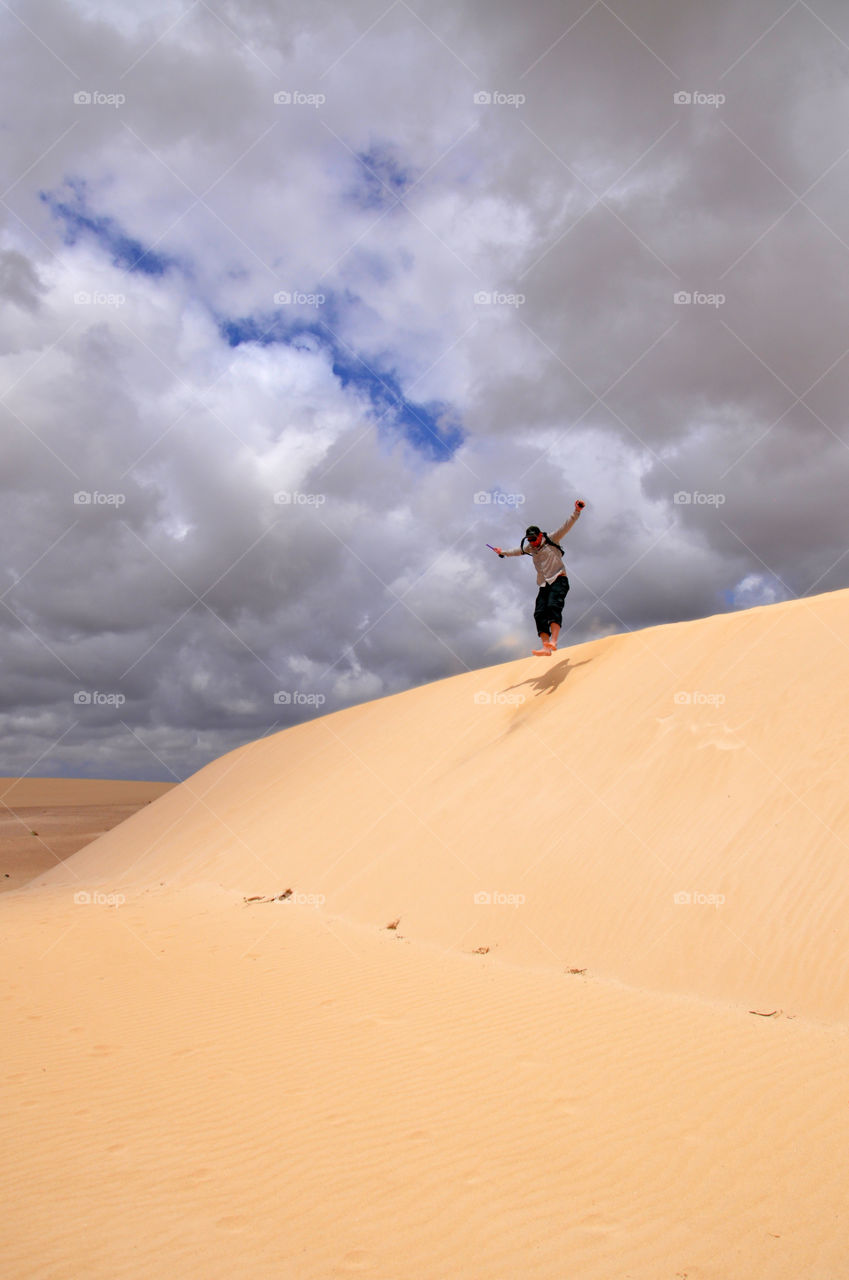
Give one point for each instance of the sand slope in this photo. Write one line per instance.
(201, 1086)
(201, 1089)
(597, 799)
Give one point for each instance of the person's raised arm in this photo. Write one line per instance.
(564, 528)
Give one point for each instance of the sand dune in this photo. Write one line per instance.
(208, 1078)
(598, 797)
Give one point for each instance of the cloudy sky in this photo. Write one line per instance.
(303, 303)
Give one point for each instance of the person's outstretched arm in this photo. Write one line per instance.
(517, 551)
(564, 528)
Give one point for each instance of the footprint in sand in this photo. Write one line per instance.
(564, 1106)
(358, 1260)
(708, 733)
(234, 1222)
(597, 1225)
(377, 1020)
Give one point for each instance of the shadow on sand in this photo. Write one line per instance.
(551, 678)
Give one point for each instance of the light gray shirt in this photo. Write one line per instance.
(548, 561)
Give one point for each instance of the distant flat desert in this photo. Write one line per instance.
(43, 821)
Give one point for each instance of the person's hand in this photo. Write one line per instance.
(499, 552)
(580, 504)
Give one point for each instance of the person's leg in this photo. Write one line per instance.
(557, 593)
(541, 609)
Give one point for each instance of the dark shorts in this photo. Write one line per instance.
(549, 604)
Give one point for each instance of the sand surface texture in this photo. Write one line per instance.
(607, 1036)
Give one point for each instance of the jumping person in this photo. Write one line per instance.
(551, 578)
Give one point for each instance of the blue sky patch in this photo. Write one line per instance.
(431, 427)
(124, 250)
(380, 178)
